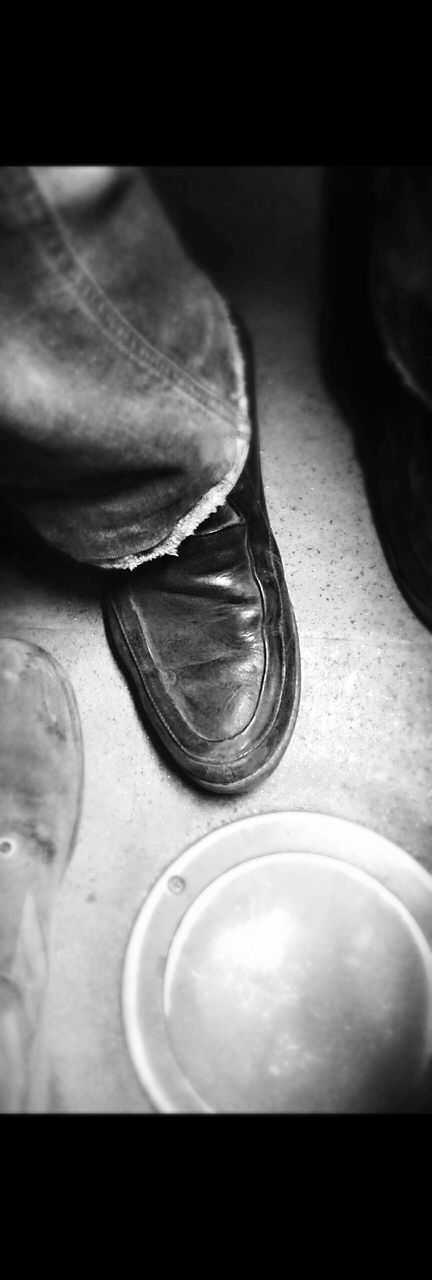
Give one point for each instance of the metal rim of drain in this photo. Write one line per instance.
(206, 862)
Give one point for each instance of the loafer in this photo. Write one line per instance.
(208, 641)
(41, 769)
(392, 426)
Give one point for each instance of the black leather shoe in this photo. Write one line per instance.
(393, 427)
(209, 641)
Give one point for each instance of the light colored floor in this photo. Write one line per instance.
(361, 747)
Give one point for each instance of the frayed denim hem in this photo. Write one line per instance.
(191, 521)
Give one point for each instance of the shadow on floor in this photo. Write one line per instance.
(22, 549)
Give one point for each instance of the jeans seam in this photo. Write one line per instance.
(49, 234)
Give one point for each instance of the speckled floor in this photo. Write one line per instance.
(361, 747)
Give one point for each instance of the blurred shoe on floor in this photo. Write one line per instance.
(41, 771)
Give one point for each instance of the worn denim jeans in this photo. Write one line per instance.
(123, 414)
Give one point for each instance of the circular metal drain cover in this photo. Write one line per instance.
(283, 964)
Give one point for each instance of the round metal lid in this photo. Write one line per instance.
(284, 964)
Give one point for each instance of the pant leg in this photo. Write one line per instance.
(402, 272)
(123, 413)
